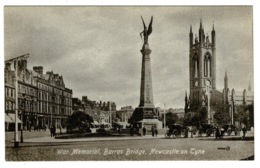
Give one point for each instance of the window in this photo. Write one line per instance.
(195, 65)
(6, 105)
(207, 65)
(7, 92)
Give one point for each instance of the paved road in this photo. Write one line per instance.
(133, 149)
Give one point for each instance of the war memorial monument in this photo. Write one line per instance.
(146, 114)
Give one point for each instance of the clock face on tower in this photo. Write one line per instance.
(196, 83)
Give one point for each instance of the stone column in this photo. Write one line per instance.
(146, 91)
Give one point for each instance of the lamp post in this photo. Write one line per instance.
(15, 61)
(22, 116)
(110, 112)
(208, 94)
(164, 119)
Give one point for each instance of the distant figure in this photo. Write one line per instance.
(53, 131)
(244, 132)
(131, 130)
(152, 130)
(155, 131)
(217, 133)
(144, 131)
(200, 131)
(222, 132)
(186, 132)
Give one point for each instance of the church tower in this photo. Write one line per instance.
(202, 59)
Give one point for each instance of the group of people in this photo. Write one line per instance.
(219, 132)
(144, 130)
(153, 130)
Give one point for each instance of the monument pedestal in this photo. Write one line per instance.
(148, 123)
(147, 116)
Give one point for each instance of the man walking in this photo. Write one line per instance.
(144, 131)
(244, 132)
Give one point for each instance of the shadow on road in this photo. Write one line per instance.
(42, 144)
(249, 158)
(229, 139)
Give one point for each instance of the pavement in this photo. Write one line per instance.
(47, 138)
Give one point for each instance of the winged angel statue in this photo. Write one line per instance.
(146, 32)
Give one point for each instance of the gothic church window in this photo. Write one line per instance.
(207, 65)
(196, 65)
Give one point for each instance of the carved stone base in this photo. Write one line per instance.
(148, 123)
(147, 116)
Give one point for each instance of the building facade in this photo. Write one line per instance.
(54, 99)
(124, 114)
(202, 61)
(100, 111)
(43, 99)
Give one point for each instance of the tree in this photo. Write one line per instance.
(250, 109)
(171, 118)
(188, 119)
(221, 117)
(241, 115)
(78, 120)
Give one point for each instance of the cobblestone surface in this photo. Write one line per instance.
(134, 149)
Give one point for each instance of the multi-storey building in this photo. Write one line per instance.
(43, 99)
(54, 99)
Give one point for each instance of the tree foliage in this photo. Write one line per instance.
(241, 115)
(78, 119)
(221, 117)
(171, 118)
(195, 118)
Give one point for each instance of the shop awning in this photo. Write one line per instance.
(8, 119)
(12, 118)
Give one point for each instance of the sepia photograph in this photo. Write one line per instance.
(128, 83)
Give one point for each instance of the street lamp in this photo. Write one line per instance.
(208, 94)
(15, 61)
(22, 116)
(164, 119)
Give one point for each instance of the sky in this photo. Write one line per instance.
(97, 49)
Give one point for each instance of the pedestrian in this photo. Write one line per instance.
(222, 132)
(131, 130)
(152, 130)
(144, 131)
(217, 133)
(186, 132)
(244, 132)
(155, 131)
(54, 131)
(200, 131)
(51, 130)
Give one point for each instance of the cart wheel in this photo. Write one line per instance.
(167, 135)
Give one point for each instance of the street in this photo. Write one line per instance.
(131, 148)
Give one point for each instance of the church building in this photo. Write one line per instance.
(202, 79)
